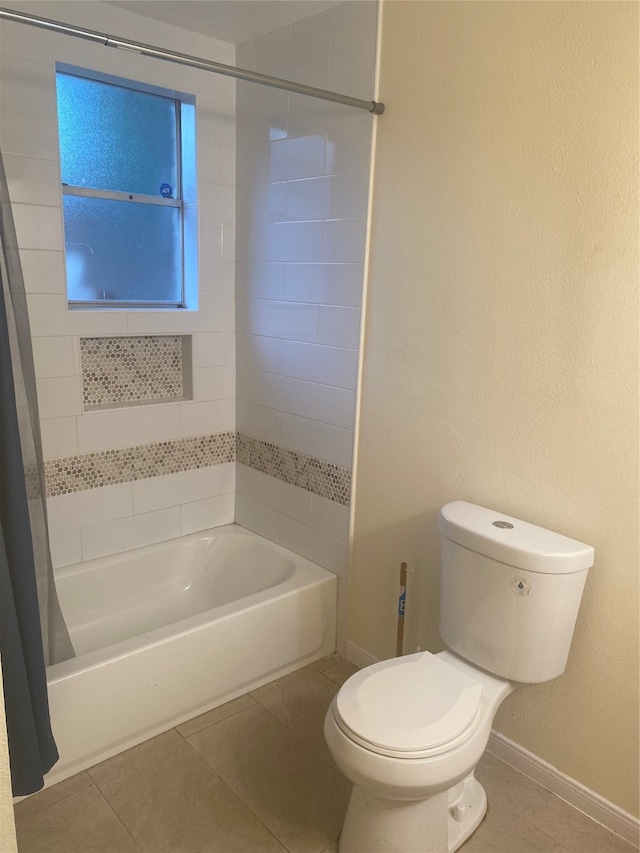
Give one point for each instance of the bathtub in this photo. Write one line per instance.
(168, 631)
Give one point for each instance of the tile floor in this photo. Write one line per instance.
(255, 776)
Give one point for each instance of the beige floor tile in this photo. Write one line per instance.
(214, 716)
(172, 802)
(327, 662)
(298, 795)
(504, 830)
(300, 701)
(577, 832)
(48, 796)
(569, 827)
(505, 843)
(245, 838)
(340, 672)
(335, 667)
(81, 823)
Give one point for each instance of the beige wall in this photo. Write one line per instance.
(501, 347)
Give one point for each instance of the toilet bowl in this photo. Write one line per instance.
(409, 732)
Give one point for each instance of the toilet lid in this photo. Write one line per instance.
(410, 704)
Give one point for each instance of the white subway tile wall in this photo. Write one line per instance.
(324, 284)
(80, 509)
(37, 226)
(314, 438)
(54, 357)
(210, 512)
(112, 537)
(313, 545)
(256, 516)
(335, 405)
(33, 180)
(198, 418)
(125, 427)
(59, 396)
(330, 518)
(182, 487)
(43, 271)
(59, 437)
(302, 185)
(66, 548)
(265, 491)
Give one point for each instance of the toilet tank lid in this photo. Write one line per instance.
(511, 541)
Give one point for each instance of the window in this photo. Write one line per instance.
(127, 158)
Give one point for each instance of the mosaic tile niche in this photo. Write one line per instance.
(129, 371)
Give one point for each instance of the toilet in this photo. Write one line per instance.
(409, 732)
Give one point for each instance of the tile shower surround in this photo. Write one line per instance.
(85, 471)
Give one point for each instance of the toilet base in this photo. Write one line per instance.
(439, 824)
(467, 807)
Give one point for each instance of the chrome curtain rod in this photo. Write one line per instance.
(374, 107)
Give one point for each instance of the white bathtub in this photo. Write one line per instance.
(168, 631)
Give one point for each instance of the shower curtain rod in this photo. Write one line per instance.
(374, 107)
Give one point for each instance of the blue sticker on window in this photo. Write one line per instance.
(166, 191)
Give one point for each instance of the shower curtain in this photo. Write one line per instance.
(32, 629)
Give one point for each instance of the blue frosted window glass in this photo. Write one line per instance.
(122, 251)
(115, 138)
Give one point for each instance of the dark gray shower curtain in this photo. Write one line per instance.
(32, 630)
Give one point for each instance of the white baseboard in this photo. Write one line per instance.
(577, 795)
(359, 657)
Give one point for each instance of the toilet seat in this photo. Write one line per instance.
(410, 707)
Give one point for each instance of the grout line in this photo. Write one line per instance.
(201, 757)
(215, 722)
(296, 735)
(115, 814)
(42, 808)
(525, 824)
(330, 762)
(224, 782)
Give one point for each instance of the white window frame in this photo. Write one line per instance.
(188, 284)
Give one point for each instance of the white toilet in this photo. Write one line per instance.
(408, 732)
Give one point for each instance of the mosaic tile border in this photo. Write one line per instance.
(130, 369)
(127, 464)
(297, 469)
(141, 462)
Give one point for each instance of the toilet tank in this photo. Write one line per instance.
(510, 592)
